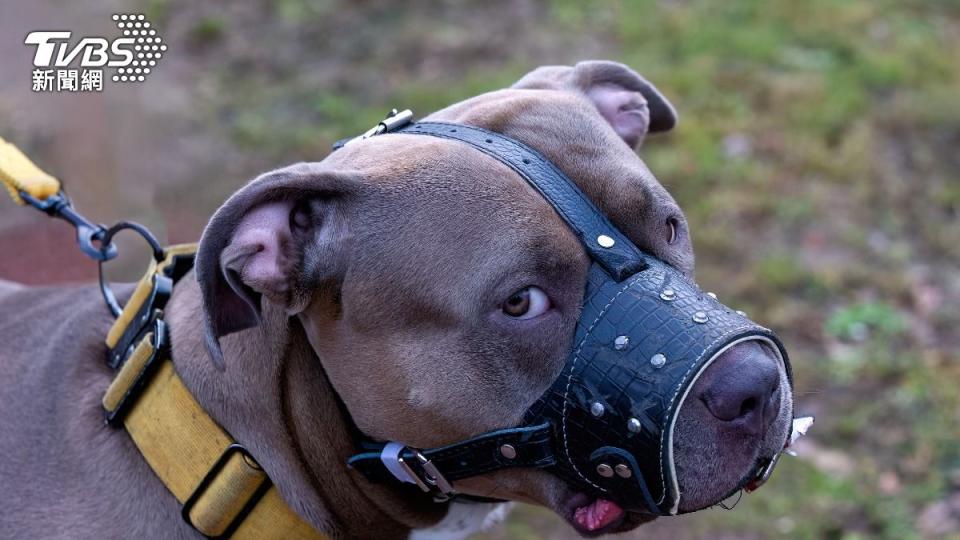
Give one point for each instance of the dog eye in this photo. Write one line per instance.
(527, 303)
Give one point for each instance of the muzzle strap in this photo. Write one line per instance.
(513, 447)
(645, 333)
(605, 244)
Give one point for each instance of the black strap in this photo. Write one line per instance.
(620, 258)
(615, 253)
(528, 447)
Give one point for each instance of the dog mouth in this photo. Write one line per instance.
(593, 516)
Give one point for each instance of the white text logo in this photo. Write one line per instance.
(63, 64)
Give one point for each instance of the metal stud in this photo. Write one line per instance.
(712, 295)
(605, 241)
(508, 451)
(621, 342)
(741, 313)
(623, 471)
(700, 317)
(605, 470)
(634, 425)
(597, 409)
(668, 294)
(658, 360)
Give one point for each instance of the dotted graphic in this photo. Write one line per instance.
(148, 47)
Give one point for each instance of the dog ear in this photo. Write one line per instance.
(630, 104)
(260, 242)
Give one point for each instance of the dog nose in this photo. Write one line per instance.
(742, 387)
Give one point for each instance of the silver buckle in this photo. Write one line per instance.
(394, 121)
(431, 478)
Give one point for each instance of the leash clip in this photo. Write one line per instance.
(58, 205)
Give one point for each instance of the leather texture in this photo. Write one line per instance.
(468, 458)
(621, 259)
(644, 335)
(654, 312)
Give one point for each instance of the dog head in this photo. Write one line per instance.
(440, 292)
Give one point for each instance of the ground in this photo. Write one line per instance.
(816, 159)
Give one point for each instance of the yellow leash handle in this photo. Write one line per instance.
(18, 174)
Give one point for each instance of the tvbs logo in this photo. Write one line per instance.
(62, 65)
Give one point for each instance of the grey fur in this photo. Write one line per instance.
(389, 303)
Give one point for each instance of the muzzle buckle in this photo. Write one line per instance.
(426, 475)
(393, 121)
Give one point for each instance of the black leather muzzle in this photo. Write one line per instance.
(645, 334)
(640, 346)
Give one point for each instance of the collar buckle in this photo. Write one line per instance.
(137, 366)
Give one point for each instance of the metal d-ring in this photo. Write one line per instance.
(106, 240)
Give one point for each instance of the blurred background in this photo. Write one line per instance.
(817, 159)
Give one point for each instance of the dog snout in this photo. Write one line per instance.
(742, 387)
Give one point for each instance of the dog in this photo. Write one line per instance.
(372, 292)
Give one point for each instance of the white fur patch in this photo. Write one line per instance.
(464, 520)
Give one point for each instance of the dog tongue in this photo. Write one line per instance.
(597, 514)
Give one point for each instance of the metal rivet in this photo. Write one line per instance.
(605, 241)
(597, 409)
(668, 295)
(741, 313)
(623, 471)
(700, 317)
(634, 425)
(712, 295)
(658, 360)
(621, 342)
(604, 470)
(508, 451)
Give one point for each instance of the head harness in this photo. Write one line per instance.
(645, 334)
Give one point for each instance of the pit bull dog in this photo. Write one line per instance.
(407, 288)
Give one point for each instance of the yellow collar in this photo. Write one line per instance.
(224, 491)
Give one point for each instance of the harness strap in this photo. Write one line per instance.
(224, 491)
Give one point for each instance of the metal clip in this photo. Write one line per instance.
(394, 121)
(430, 478)
(58, 205)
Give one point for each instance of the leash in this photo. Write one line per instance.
(605, 425)
(27, 184)
(224, 492)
